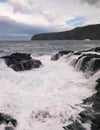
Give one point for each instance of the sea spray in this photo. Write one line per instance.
(43, 97)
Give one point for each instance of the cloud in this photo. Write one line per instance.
(15, 30)
(12, 30)
(22, 18)
(92, 2)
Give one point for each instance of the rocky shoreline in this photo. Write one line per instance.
(87, 61)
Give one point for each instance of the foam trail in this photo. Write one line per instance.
(43, 97)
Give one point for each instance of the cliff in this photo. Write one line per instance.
(91, 32)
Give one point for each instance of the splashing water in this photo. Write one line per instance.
(46, 98)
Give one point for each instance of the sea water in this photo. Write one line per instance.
(49, 97)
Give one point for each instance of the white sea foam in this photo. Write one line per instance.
(44, 98)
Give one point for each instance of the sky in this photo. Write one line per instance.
(20, 19)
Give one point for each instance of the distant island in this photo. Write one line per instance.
(91, 32)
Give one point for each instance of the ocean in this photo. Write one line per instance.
(49, 97)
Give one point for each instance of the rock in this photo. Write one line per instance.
(88, 62)
(98, 80)
(89, 100)
(74, 126)
(97, 49)
(78, 53)
(59, 54)
(96, 64)
(21, 61)
(87, 115)
(6, 119)
(96, 106)
(98, 84)
(9, 128)
(95, 125)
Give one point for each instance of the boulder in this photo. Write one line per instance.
(6, 119)
(59, 54)
(21, 61)
(74, 126)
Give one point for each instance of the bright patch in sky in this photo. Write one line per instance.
(77, 21)
(3, 0)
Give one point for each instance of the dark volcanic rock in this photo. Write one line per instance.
(94, 115)
(9, 128)
(74, 126)
(96, 64)
(59, 54)
(21, 61)
(88, 62)
(96, 123)
(97, 49)
(87, 115)
(78, 53)
(6, 119)
(98, 84)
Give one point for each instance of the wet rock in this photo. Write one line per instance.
(21, 61)
(97, 49)
(88, 62)
(74, 126)
(9, 128)
(95, 125)
(96, 64)
(6, 119)
(98, 84)
(78, 53)
(87, 115)
(89, 100)
(96, 106)
(98, 80)
(59, 54)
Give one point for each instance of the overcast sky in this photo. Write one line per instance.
(20, 19)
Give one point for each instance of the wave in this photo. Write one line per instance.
(47, 98)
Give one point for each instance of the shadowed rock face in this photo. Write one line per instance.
(6, 120)
(21, 61)
(89, 62)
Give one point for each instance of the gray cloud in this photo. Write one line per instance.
(92, 2)
(11, 29)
